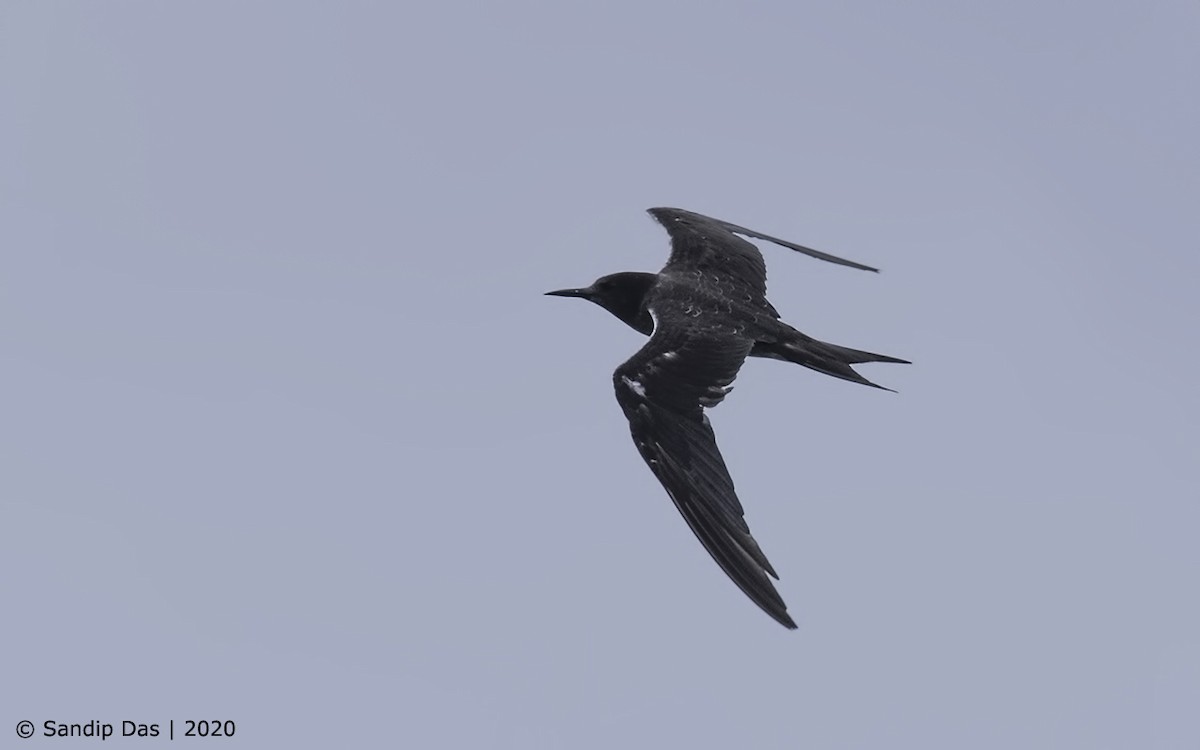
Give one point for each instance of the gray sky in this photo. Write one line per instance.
(292, 438)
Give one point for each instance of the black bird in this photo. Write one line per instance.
(705, 312)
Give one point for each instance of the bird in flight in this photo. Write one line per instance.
(705, 312)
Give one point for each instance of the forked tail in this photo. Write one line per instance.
(830, 359)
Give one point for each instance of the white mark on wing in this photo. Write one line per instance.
(715, 395)
(634, 386)
(670, 355)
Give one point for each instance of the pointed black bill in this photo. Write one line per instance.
(569, 293)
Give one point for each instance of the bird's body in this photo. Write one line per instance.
(705, 312)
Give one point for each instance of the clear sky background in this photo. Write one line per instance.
(291, 437)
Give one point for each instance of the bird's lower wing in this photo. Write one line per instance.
(683, 454)
(663, 390)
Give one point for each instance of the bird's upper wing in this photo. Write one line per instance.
(712, 246)
(663, 390)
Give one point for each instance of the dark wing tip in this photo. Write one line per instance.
(664, 214)
(682, 453)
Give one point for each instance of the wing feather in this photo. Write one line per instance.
(663, 389)
(700, 242)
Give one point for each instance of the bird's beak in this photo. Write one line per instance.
(569, 293)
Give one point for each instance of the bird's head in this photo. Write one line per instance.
(622, 294)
